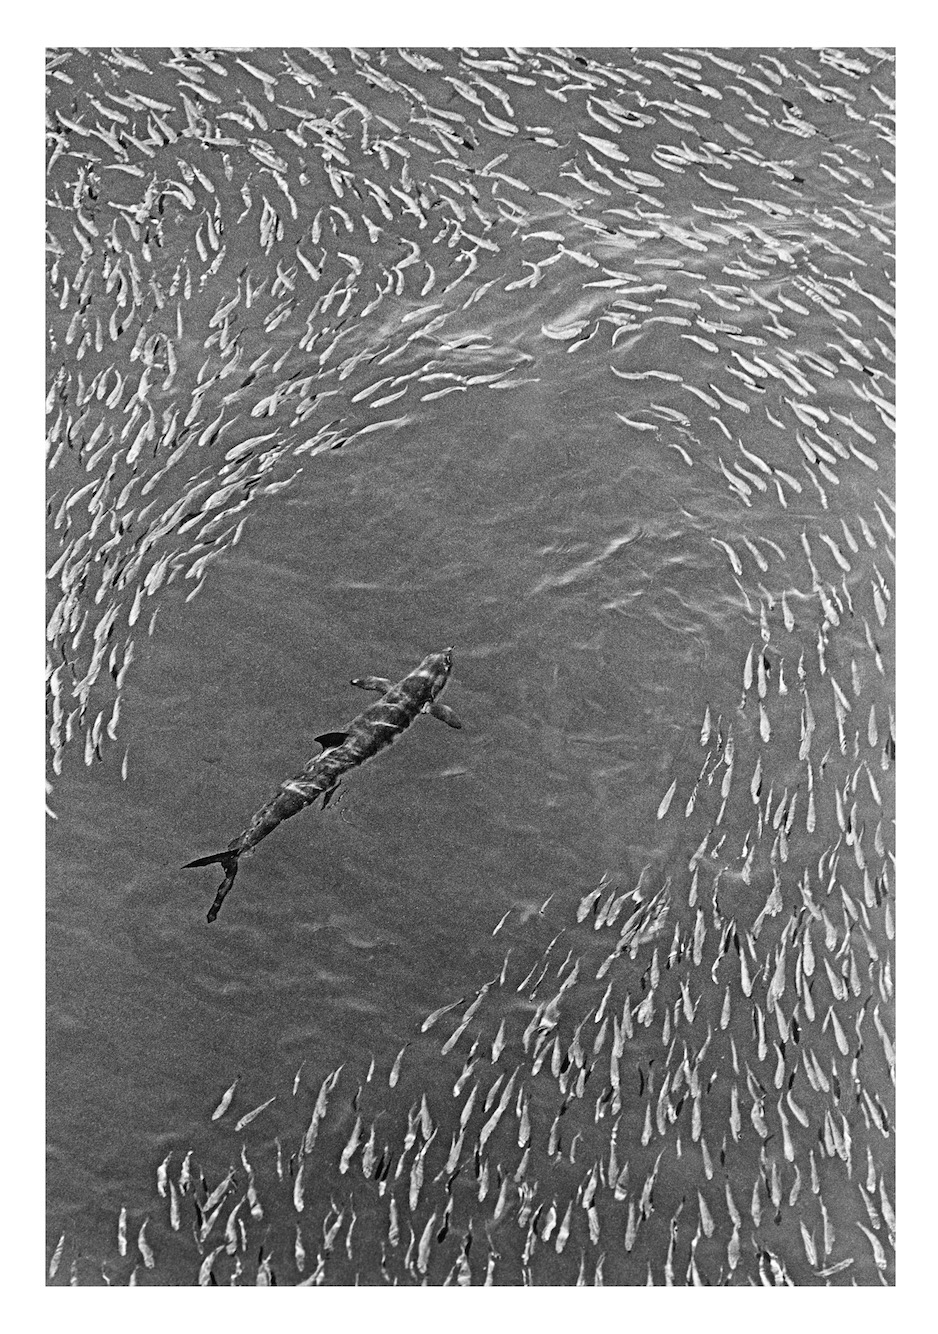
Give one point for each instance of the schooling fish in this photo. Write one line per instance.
(366, 734)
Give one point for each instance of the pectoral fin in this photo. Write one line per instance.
(444, 713)
(329, 740)
(379, 683)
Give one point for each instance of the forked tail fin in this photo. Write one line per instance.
(229, 863)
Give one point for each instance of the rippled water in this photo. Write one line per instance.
(623, 322)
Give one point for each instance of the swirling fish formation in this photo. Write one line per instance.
(691, 1082)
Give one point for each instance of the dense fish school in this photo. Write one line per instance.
(681, 1076)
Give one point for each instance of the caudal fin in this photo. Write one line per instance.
(229, 863)
(225, 859)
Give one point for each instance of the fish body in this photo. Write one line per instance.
(367, 734)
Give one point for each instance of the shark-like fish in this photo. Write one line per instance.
(367, 733)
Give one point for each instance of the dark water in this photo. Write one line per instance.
(645, 586)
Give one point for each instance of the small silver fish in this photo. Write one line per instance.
(225, 1102)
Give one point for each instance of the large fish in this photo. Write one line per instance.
(367, 733)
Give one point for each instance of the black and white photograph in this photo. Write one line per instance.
(470, 655)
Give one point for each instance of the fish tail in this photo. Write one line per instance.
(229, 863)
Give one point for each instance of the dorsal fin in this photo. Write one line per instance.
(329, 740)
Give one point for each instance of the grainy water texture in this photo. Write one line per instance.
(581, 362)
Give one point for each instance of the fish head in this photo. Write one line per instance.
(437, 666)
